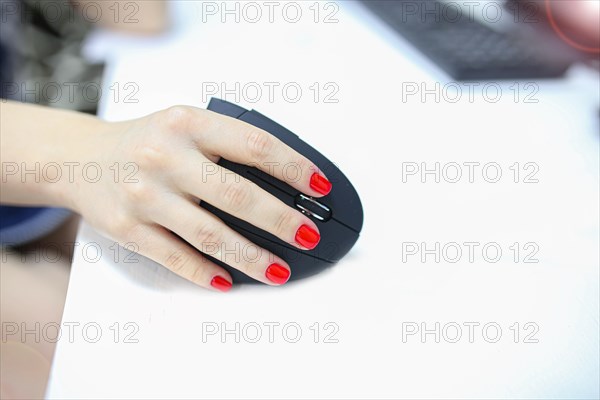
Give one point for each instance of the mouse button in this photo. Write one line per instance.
(239, 169)
(225, 108)
(342, 204)
(336, 239)
(343, 200)
(297, 144)
(265, 181)
(312, 207)
(269, 182)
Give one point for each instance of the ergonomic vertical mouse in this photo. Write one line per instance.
(339, 215)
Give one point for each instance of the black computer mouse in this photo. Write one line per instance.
(339, 215)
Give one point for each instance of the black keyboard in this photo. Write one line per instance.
(465, 48)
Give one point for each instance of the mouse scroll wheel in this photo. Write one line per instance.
(312, 208)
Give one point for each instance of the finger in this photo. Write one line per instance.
(211, 236)
(245, 200)
(163, 247)
(243, 143)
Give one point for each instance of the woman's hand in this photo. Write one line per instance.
(157, 168)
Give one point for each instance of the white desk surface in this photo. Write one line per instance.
(371, 296)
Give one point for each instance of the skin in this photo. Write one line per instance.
(135, 17)
(173, 154)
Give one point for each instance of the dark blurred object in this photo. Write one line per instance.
(5, 71)
(42, 56)
(521, 45)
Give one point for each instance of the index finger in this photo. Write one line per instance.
(243, 143)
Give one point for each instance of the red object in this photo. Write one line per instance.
(277, 274)
(564, 37)
(220, 283)
(320, 184)
(307, 237)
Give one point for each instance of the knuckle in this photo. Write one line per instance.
(134, 234)
(176, 118)
(205, 121)
(237, 197)
(285, 221)
(121, 226)
(208, 233)
(150, 156)
(178, 261)
(139, 192)
(259, 144)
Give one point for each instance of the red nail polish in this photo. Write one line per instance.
(277, 274)
(220, 283)
(320, 184)
(307, 237)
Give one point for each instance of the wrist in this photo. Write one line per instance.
(79, 153)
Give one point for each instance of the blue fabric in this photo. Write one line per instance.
(20, 225)
(11, 216)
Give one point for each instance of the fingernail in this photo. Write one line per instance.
(320, 184)
(220, 283)
(277, 274)
(307, 237)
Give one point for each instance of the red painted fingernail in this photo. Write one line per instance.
(220, 283)
(320, 184)
(307, 237)
(277, 274)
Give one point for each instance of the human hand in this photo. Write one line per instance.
(157, 208)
